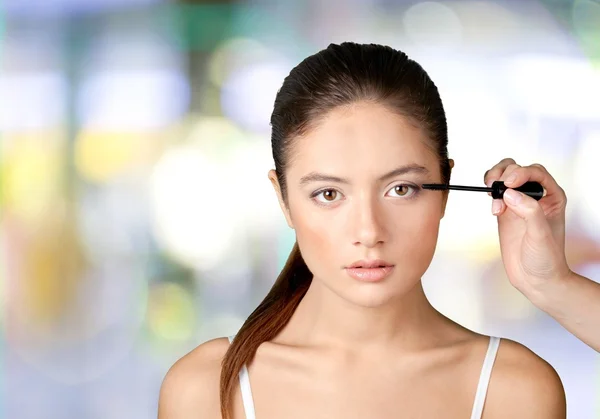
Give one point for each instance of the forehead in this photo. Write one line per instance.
(362, 137)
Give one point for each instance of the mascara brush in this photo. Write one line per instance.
(532, 189)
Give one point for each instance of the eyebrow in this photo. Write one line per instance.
(402, 170)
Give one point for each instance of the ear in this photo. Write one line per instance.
(446, 193)
(282, 205)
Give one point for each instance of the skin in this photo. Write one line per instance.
(355, 349)
(532, 241)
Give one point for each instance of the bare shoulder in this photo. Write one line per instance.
(191, 386)
(523, 385)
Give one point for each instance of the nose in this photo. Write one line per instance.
(369, 229)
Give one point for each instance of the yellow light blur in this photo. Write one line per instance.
(217, 136)
(51, 265)
(171, 312)
(100, 156)
(30, 170)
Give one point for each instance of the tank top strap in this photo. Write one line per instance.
(245, 389)
(484, 377)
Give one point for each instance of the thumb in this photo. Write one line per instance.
(529, 210)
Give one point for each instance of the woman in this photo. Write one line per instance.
(347, 331)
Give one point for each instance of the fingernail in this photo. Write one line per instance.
(511, 178)
(512, 196)
(496, 206)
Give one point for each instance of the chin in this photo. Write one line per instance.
(370, 295)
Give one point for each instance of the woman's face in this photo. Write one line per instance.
(353, 194)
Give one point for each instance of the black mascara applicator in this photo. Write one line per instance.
(532, 189)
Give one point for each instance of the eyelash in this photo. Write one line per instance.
(416, 189)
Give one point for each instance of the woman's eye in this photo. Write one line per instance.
(402, 190)
(328, 195)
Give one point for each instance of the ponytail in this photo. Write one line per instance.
(267, 320)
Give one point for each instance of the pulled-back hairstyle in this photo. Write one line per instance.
(336, 76)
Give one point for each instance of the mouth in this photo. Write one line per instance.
(369, 271)
(370, 264)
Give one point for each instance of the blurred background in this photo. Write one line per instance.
(137, 220)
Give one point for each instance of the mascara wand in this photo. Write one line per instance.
(532, 189)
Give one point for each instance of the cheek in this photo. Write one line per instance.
(317, 237)
(418, 231)
(314, 233)
(424, 221)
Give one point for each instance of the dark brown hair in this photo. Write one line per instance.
(336, 76)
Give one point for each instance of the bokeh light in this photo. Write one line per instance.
(585, 17)
(585, 169)
(133, 100)
(195, 206)
(25, 98)
(234, 54)
(31, 166)
(77, 348)
(555, 86)
(432, 23)
(171, 312)
(249, 93)
(104, 156)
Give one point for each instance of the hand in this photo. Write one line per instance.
(532, 233)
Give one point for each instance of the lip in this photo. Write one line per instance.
(370, 274)
(370, 270)
(366, 264)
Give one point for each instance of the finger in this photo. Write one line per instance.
(498, 206)
(494, 174)
(509, 169)
(536, 173)
(496, 171)
(528, 209)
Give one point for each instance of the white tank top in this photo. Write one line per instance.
(482, 386)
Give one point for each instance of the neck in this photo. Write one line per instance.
(325, 319)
